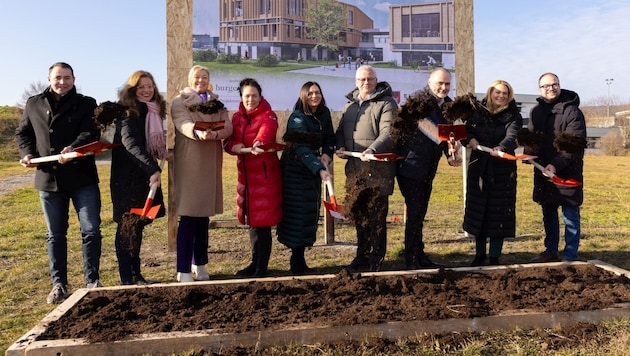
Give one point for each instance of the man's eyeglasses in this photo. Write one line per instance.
(365, 79)
(549, 86)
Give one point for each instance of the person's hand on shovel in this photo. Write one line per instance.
(26, 161)
(156, 178)
(62, 159)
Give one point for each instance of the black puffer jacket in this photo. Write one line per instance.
(132, 166)
(491, 182)
(549, 119)
(307, 137)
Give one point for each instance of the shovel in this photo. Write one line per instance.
(331, 207)
(554, 178)
(506, 155)
(148, 210)
(93, 148)
(380, 157)
(267, 147)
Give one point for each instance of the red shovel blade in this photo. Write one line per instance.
(148, 211)
(385, 157)
(94, 148)
(151, 213)
(565, 182)
(333, 210)
(448, 132)
(272, 146)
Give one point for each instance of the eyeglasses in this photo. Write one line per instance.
(365, 79)
(549, 86)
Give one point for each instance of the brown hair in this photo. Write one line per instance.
(127, 95)
(302, 101)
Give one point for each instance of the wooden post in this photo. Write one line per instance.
(179, 18)
(464, 64)
(464, 47)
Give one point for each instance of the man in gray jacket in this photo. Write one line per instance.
(364, 127)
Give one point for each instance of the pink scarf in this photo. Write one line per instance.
(154, 131)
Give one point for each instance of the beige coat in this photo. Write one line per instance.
(198, 165)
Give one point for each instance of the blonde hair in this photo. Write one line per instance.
(489, 104)
(191, 74)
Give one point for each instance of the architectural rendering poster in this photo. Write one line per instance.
(284, 43)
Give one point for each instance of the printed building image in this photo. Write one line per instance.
(278, 27)
(423, 34)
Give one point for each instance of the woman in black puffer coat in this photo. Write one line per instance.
(491, 182)
(310, 143)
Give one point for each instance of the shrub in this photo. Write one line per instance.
(266, 60)
(204, 56)
(228, 58)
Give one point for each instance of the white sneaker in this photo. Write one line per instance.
(184, 277)
(95, 284)
(199, 271)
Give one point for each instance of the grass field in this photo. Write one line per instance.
(25, 282)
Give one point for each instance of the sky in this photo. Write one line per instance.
(582, 41)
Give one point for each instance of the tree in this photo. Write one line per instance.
(33, 88)
(325, 20)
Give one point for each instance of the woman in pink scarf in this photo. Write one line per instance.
(135, 163)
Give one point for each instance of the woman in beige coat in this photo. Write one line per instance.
(201, 122)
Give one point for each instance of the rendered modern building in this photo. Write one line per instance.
(423, 33)
(278, 27)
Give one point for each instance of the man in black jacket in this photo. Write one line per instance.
(57, 121)
(559, 120)
(416, 172)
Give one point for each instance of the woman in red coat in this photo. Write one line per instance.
(259, 186)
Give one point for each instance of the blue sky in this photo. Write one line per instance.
(105, 41)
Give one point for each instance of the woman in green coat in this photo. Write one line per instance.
(310, 143)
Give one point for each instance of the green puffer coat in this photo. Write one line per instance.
(307, 137)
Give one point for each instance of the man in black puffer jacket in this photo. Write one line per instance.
(558, 115)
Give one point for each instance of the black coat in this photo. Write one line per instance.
(47, 126)
(132, 166)
(549, 119)
(422, 155)
(307, 137)
(491, 182)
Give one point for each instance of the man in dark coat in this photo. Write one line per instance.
(56, 122)
(416, 172)
(557, 114)
(364, 127)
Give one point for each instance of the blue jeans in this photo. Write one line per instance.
(571, 217)
(56, 205)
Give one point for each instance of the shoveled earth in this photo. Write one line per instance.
(346, 299)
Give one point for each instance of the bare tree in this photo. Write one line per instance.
(33, 88)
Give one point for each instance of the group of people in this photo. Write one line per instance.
(285, 191)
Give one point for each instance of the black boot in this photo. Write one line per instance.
(297, 256)
(263, 247)
(494, 261)
(251, 268)
(298, 262)
(480, 260)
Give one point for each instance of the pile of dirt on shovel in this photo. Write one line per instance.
(347, 299)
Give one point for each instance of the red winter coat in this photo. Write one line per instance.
(259, 186)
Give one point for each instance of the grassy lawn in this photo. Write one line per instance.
(25, 282)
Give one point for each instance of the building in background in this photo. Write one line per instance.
(423, 34)
(278, 27)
